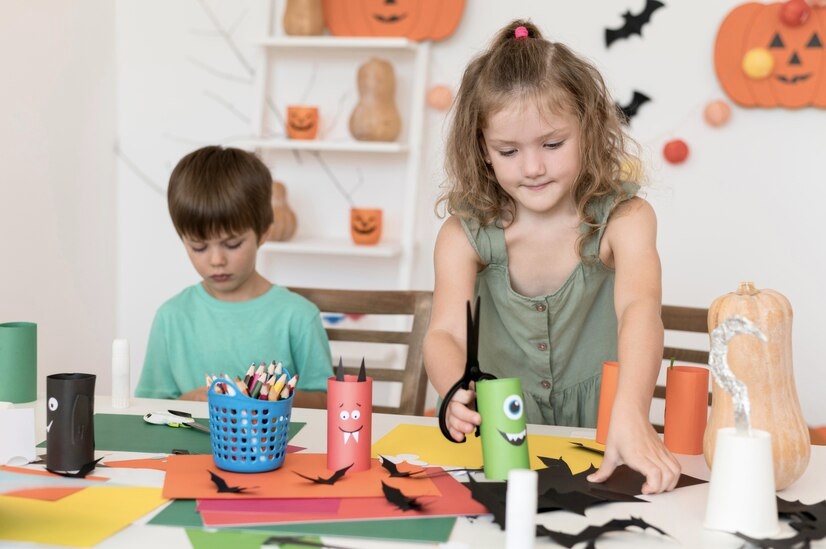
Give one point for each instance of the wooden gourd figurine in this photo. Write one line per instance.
(766, 370)
(303, 18)
(375, 117)
(284, 221)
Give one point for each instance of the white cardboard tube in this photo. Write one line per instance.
(520, 510)
(120, 374)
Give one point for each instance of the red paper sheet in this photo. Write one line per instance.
(455, 500)
(187, 477)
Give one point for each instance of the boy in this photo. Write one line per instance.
(219, 201)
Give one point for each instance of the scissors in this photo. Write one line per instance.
(472, 370)
(174, 418)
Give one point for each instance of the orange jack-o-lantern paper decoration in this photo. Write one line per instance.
(414, 19)
(796, 75)
(365, 225)
(302, 122)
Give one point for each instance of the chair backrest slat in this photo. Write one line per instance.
(411, 303)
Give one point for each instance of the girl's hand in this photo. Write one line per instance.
(635, 443)
(461, 419)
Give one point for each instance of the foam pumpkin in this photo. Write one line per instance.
(797, 77)
(365, 225)
(284, 221)
(414, 19)
(302, 122)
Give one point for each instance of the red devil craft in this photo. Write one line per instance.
(349, 420)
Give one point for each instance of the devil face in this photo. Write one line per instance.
(349, 423)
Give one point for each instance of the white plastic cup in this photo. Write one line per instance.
(520, 509)
(741, 494)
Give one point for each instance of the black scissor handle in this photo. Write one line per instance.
(461, 384)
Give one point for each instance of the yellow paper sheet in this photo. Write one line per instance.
(82, 519)
(426, 444)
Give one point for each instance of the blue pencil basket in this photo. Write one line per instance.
(248, 435)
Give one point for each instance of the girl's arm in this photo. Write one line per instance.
(456, 263)
(630, 243)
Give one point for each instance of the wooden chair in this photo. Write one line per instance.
(677, 321)
(415, 304)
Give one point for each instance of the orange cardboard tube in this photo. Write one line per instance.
(607, 391)
(686, 409)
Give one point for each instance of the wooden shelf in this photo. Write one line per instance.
(333, 246)
(338, 42)
(320, 145)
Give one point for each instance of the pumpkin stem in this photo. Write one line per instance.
(671, 365)
(747, 288)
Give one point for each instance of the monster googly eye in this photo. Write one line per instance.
(513, 407)
(355, 414)
(344, 415)
(52, 404)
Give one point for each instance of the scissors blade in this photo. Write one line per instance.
(472, 337)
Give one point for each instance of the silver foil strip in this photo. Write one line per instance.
(725, 378)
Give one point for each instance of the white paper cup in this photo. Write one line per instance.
(741, 495)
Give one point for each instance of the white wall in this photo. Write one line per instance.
(744, 206)
(57, 216)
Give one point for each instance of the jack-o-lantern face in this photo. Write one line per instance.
(365, 225)
(798, 75)
(302, 122)
(414, 19)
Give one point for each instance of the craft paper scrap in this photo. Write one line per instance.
(17, 443)
(319, 506)
(455, 500)
(128, 433)
(39, 484)
(187, 477)
(428, 443)
(82, 519)
(201, 539)
(181, 513)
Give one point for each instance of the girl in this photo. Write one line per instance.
(559, 249)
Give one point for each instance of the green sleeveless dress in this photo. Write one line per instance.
(555, 343)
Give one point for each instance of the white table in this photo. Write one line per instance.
(680, 513)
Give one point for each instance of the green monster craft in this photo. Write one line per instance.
(503, 430)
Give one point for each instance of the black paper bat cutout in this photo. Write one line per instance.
(591, 533)
(301, 542)
(397, 498)
(492, 495)
(629, 111)
(633, 22)
(223, 487)
(80, 473)
(335, 477)
(394, 471)
(808, 520)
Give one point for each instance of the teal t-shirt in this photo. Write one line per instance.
(194, 334)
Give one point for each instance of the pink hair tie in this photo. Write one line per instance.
(520, 32)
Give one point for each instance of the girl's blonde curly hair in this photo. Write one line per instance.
(549, 73)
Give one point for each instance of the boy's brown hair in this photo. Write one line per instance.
(216, 190)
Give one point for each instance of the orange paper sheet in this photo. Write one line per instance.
(187, 477)
(82, 519)
(455, 500)
(426, 444)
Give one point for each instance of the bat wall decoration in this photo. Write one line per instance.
(633, 22)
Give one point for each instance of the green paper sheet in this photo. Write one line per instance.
(182, 513)
(201, 539)
(18, 361)
(127, 433)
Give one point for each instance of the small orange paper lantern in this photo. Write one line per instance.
(365, 225)
(717, 113)
(302, 122)
(439, 97)
(675, 151)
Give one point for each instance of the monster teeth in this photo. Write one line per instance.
(346, 437)
(356, 436)
(348, 434)
(49, 426)
(514, 437)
